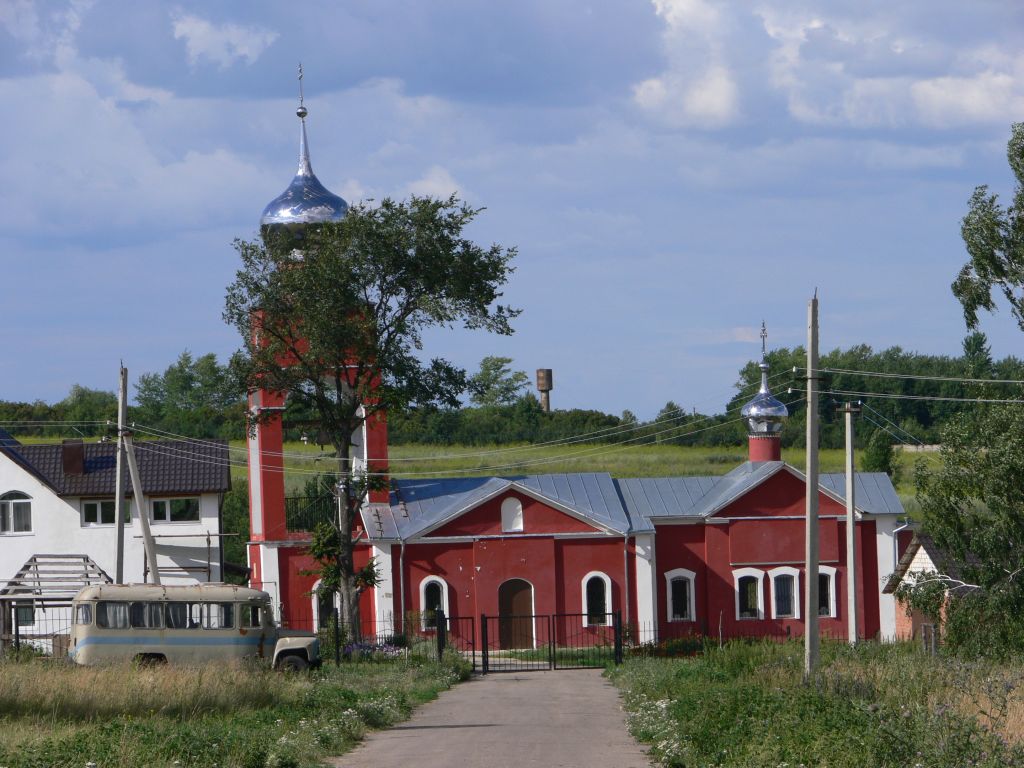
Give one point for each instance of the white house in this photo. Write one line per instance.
(59, 500)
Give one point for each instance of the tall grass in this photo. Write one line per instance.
(876, 705)
(230, 716)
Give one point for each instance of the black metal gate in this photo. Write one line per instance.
(550, 641)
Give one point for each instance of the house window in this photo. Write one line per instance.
(749, 595)
(24, 613)
(102, 512)
(597, 590)
(15, 513)
(511, 515)
(785, 582)
(827, 591)
(176, 510)
(679, 595)
(433, 597)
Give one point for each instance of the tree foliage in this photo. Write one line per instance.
(338, 325)
(994, 236)
(496, 384)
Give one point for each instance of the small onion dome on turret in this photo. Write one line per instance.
(306, 201)
(764, 414)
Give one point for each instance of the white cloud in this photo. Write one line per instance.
(697, 87)
(987, 97)
(436, 182)
(222, 44)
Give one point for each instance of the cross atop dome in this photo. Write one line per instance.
(765, 414)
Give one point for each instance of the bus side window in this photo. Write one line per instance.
(111, 615)
(195, 615)
(83, 614)
(218, 615)
(251, 616)
(147, 615)
(177, 615)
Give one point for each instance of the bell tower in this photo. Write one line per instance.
(305, 203)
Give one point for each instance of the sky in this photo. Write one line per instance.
(672, 172)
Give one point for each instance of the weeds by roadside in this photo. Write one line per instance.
(876, 705)
(215, 715)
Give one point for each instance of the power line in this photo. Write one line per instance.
(893, 396)
(882, 416)
(605, 432)
(915, 377)
(884, 429)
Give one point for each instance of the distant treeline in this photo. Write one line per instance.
(195, 397)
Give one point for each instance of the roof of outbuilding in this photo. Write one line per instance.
(165, 467)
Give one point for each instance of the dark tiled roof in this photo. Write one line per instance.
(165, 466)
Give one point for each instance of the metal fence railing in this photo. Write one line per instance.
(35, 624)
(303, 513)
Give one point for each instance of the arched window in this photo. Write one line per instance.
(15, 513)
(597, 593)
(827, 591)
(433, 597)
(679, 595)
(785, 582)
(749, 594)
(511, 515)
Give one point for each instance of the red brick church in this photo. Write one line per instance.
(674, 555)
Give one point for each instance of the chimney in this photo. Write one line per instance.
(72, 454)
(545, 383)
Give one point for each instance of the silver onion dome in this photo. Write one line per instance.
(764, 413)
(306, 201)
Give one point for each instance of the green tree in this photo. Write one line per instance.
(994, 237)
(973, 505)
(880, 456)
(496, 384)
(338, 326)
(86, 405)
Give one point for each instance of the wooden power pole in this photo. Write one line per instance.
(122, 417)
(811, 642)
(849, 409)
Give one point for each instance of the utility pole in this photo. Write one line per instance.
(849, 409)
(811, 642)
(122, 417)
(140, 507)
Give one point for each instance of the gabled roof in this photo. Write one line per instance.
(623, 506)
(692, 497)
(944, 564)
(165, 466)
(420, 506)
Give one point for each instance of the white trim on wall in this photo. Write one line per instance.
(646, 584)
(607, 595)
(676, 573)
(758, 574)
(786, 570)
(423, 597)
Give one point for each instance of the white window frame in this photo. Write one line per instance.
(423, 599)
(607, 596)
(786, 570)
(680, 573)
(168, 500)
(99, 516)
(830, 571)
(511, 515)
(7, 502)
(758, 574)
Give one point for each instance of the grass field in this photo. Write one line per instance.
(747, 706)
(628, 461)
(54, 714)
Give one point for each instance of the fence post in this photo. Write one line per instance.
(337, 637)
(484, 661)
(17, 627)
(441, 621)
(552, 659)
(617, 623)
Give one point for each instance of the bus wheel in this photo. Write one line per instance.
(150, 659)
(292, 663)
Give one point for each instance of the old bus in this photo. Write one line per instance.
(182, 624)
